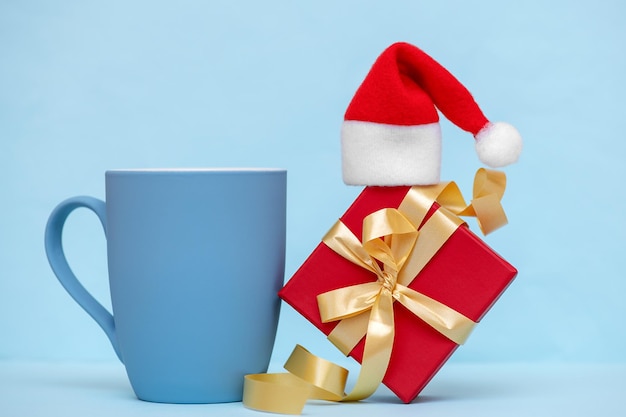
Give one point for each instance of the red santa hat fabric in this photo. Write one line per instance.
(391, 134)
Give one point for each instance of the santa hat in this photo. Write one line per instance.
(391, 134)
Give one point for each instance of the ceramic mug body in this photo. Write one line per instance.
(195, 258)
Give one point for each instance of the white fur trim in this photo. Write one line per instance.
(498, 144)
(390, 155)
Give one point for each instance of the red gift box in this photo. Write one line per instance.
(464, 274)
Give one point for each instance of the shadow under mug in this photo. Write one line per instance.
(195, 259)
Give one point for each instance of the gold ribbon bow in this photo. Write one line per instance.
(391, 238)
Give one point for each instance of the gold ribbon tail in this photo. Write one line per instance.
(378, 347)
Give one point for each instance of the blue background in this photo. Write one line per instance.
(87, 86)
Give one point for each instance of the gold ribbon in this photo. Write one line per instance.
(390, 238)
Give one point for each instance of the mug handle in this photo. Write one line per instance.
(62, 270)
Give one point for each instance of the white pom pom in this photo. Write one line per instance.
(498, 144)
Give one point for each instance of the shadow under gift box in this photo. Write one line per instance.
(465, 274)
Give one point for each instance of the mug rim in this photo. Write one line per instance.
(224, 170)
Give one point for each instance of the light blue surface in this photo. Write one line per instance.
(32, 389)
(189, 318)
(88, 86)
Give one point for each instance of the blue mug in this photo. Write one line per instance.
(195, 258)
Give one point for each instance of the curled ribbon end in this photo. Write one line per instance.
(276, 393)
(309, 377)
(328, 380)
